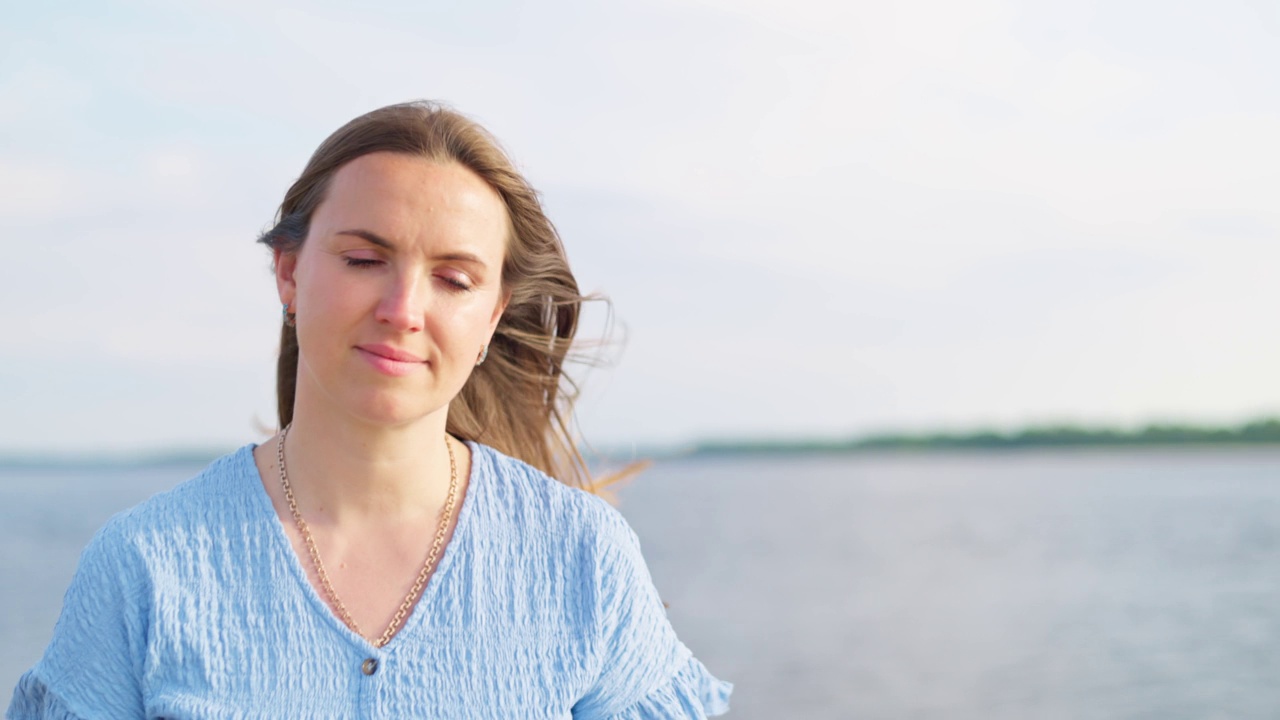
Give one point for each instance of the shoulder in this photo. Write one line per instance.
(639, 666)
(559, 529)
(95, 663)
(162, 521)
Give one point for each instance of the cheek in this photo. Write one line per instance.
(307, 281)
(468, 326)
(324, 288)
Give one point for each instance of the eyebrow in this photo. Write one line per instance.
(369, 236)
(386, 244)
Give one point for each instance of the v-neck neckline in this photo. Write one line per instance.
(284, 547)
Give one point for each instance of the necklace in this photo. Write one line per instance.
(446, 514)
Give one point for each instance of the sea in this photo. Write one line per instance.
(1113, 583)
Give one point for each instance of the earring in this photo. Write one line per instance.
(484, 353)
(288, 319)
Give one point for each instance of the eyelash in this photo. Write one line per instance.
(455, 285)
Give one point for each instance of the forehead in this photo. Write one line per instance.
(413, 198)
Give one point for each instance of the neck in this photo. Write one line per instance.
(342, 470)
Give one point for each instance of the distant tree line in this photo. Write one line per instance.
(1265, 431)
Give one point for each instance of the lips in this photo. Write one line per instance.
(391, 361)
(391, 353)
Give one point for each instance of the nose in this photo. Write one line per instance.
(403, 304)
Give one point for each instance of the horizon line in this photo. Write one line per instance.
(1263, 430)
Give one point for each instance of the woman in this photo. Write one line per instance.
(387, 554)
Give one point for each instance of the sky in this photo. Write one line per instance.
(813, 219)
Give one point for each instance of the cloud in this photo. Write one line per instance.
(815, 216)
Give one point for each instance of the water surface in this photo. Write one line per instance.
(1085, 584)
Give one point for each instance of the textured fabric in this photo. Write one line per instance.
(194, 605)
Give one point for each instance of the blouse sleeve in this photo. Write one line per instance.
(644, 669)
(93, 665)
(692, 693)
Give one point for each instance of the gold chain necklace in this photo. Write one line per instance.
(446, 514)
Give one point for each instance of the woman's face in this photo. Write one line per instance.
(396, 288)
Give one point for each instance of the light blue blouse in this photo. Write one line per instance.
(194, 605)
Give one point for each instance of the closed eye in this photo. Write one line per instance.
(454, 283)
(361, 262)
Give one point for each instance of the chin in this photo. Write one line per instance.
(394, 410)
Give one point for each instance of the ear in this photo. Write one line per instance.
(286, 264)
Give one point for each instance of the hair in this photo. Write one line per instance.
(520, 400)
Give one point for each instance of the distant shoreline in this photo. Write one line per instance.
(1252, 434)
(1258, 433)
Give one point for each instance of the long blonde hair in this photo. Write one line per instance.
(520, 401)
